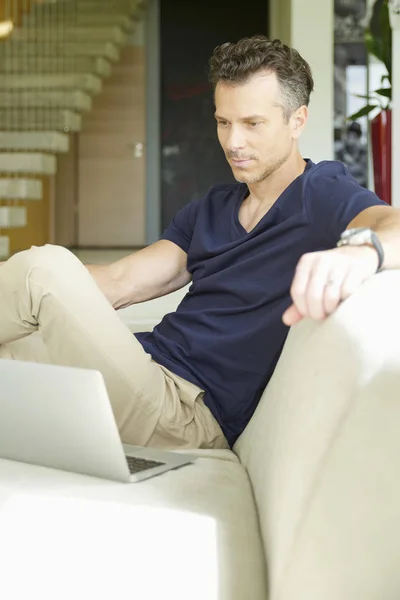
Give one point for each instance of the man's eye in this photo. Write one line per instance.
(254, 123)
(222, 123)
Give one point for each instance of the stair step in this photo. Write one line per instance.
(34, 119)
(84, 7)
(20, 189)
(56, 64)
(56, 31)
(4, 247)
(74, 100)
(82, 19)
(45, 141)
(95, 49)
(120, 20)
(28, 162)
(81, 81)
(13, 216)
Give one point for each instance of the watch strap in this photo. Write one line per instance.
(375, 241)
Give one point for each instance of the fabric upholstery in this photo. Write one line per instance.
(322, 453)
(144, 316)
(192, 533)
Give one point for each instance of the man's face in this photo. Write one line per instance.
(252, 129)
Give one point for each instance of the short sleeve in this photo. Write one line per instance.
(334, 200)
(180, 230)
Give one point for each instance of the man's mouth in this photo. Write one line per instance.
(241, 162)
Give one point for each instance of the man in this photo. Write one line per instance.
(261, 255)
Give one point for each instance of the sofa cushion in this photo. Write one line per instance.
(302, 438)
(190, 533)
(144, 316)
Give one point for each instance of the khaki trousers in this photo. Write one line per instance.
(46, 291)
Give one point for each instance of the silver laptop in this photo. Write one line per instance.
(61, 417)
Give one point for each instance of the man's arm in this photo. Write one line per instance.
(149, 273)
(385, 221)
(323, 279)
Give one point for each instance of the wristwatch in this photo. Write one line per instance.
(362, 236)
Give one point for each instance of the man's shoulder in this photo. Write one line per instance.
(331, 176)
(328, 169)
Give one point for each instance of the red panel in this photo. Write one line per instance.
(381, 133)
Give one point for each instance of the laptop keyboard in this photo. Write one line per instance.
(136, 464)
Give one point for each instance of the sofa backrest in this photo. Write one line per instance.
(322, 449)
(144, 316)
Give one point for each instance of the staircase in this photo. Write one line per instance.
(51, 66)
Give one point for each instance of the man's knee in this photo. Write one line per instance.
(51, 257)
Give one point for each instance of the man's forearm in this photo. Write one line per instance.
(149, 273)
(107, 282)
(385, 222)
(115, 284)
(388, 231)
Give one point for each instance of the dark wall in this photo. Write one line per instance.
(191, 158)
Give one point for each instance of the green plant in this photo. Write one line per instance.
(378, 41)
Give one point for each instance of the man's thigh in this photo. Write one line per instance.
(64, 319)
(52, 311)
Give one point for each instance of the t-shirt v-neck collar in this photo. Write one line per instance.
(244, 192)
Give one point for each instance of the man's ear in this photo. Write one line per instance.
(298, 121)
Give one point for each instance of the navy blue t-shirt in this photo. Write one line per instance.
(227, 333)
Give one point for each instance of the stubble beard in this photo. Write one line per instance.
(268, 171)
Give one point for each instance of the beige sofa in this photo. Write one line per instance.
(306, 507)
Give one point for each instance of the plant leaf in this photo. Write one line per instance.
(373, 45)
(362, 112)
(386, 35)
(387, 92)
(378, 36)
(365, 97)
(378, 42)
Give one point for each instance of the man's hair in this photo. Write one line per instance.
(237, 63)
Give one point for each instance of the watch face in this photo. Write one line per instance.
(358, 236)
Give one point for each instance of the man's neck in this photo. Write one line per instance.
(266, 192)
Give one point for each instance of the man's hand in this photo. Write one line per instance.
(324, 279)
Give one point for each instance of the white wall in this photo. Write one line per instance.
(308, 26)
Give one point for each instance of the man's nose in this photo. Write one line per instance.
(235, 140)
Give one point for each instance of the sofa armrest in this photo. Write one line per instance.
(322, 452)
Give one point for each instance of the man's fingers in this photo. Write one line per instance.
(309, 297)
(333, 291)
(291, 316)
(351, 282)
(300, 283)
(316, 292)
(323, 279)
